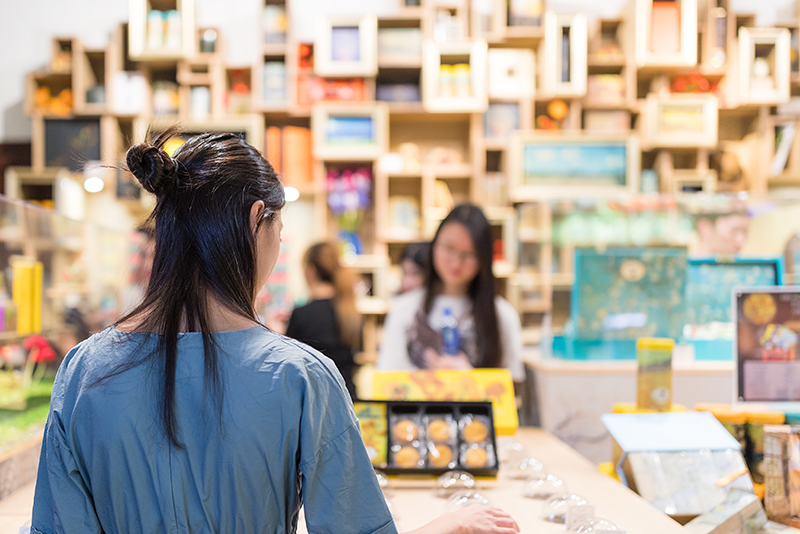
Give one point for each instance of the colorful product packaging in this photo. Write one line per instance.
(782, 471)
(654, 389)
(756, 420)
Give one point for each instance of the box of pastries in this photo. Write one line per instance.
(406, 437)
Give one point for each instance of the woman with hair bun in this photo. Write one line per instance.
(330, 322)
(188, 415)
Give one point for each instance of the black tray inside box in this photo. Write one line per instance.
(457, 410)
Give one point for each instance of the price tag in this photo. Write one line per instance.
(578, 514)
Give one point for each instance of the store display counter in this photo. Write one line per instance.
(570, 396)
(415, 504)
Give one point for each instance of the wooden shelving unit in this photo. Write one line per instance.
(445, 135)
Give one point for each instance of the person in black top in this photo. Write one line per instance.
(329, 322)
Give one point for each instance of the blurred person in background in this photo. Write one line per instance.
(722, 234)
(329, 322)
(412, 262)
(458, 283)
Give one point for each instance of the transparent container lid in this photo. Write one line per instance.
(543, 487)
(555, 509)
(462, 499)
(452, 482)
(595, 525)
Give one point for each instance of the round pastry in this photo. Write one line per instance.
(440, 456)
(407, 457)
(439, 430)
(476, 457)
(475, 432)
(406, 430)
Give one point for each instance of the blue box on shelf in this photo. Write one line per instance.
(709, 289)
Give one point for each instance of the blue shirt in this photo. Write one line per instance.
(288, 436)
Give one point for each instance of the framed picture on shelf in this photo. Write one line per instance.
(681, 121)
(511, 73)
(563, 65)
(347, 132)
(764, 65)
(346, 46)
(570, 165)
(488, 18)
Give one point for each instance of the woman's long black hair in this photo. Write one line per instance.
(205, 246)
(481, 291)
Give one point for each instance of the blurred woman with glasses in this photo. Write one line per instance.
(460, 285)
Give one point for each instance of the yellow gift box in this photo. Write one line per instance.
(493, 385)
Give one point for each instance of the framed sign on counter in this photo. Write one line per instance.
(765, 351)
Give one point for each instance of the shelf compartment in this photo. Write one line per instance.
(454, 77)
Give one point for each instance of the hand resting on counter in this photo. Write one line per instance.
(475, 519)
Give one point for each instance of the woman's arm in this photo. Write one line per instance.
(511, 336)
(393, 355)
(471, 520)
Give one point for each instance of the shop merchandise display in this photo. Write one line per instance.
(429, 437)
(427, 440)
(765, 349)
(647, 287)
(782, 471)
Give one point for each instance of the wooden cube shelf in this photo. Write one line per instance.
(524, 20)
(563, 60)
(512, 73)
(664, 33)
(680, 121)
(150, 39)
(717, 26)
(764, 65)
(454, 77)
(49, 94)
(346, 46)
(91, 81)
(488, 19)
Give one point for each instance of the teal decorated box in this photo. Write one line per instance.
(628, 293)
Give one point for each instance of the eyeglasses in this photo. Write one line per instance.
(457, 254)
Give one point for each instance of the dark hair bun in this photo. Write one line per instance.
(154, 168)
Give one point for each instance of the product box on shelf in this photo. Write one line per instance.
(408, 437)
(782, 471)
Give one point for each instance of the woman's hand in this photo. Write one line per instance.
(436, 361)
(473, 519)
